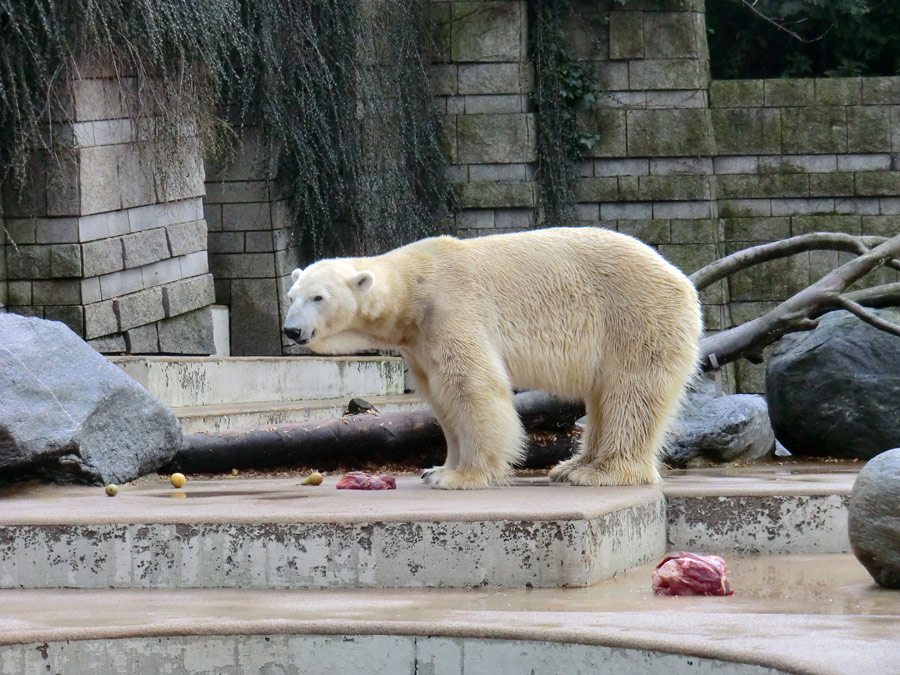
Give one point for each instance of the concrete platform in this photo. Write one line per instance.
(273, 533)
(199, 381)
(797, 614)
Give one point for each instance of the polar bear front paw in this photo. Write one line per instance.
(592, 476)
(561, 472)
(447, 479)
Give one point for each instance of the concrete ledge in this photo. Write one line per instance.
(180, 381)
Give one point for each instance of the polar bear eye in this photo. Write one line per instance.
(318, 298)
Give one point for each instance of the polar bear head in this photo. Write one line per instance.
(325, 299)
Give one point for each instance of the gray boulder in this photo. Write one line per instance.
(874, 521)
(714, 429)
(70, 415)
(835, 391)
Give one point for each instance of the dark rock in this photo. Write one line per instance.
(874, 521)
(719, 429)
(72, 416)
(835, 391)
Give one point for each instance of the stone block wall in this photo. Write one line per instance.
(107, 239)
(798, 156)
(250, 252)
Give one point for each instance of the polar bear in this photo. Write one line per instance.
(582, 312)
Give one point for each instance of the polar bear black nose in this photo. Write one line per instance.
(292, 333)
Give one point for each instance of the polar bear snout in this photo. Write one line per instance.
(297, 335)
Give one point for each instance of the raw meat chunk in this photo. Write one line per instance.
(691, 574)
(360, 480)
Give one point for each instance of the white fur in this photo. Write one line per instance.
(582, 312)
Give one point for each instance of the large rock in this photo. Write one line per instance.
(719, 429)
(835, 391)
(69, 414)
(874, 522)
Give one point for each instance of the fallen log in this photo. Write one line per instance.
(368, 438)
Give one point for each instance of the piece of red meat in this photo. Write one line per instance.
(691, 574)
(360, 480)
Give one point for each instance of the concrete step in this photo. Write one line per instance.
(226, 416)
(274, 533)
(200, 381)
(775, 623)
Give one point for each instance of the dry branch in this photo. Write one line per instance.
(801, 311)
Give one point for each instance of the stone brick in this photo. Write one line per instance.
(142, 340)
(98, 99)
(99, 179)
(881, 90)
(90, 290)
(28, 262)
(161, 272)
(611, 75)
(121, 283)
(878, 183)
(879, 226)
(648, 231)
(626, 35)
(668, 133)
(496, 104)
(790, 92)
(830, 222)
(814, 130)
(693, 166)
(496, 195)
(750, 131)
(587, 35)
(599, 189)
(194, 264)
(489, 78)
(587, 213)
(734, 165)
(29, 310)
(159, 215)
(139, 308)
(688, 257)
(744, 208)
(443, 79)
(109, 344)
(839, 91)
(103, 225)
(255, 329)
(187, 238)
(136, 180)
(252, 216)
(21, 230)
(665, 74)
(102, 256)
(831, 185)
(868, 128)
(622, 99)
(189, 294)
(630, 211)
(868, 162)
(145, 247)
(19, 293)
(99, 319)
(485, 32)
(674, 187)
(71, 315)
(889, 205)
(514, 219)
(495, 139)
(621, 167)
(63, 185)
(65, 260)
(56, 230)
(473, 219)
(757, 229)
(773, 280)
(677, 99)
(219, 192)
(189, 334)
(243, 265)
(799, 207)
(688, 209)
(259, 242)
(671, 35)
(32, 202)
(798, 164)
(213, 213)
(610, 126)
(510, 173)
(226, 242)
(857, 206)
(700, 231)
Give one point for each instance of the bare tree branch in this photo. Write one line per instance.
(886, 295)
(815, 241)
(855, 308)
(751, 5)
(800, 312)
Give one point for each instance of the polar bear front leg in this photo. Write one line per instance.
(420, 380)
(474, 393)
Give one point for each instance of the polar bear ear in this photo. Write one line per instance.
(362, 281)
(296, 273)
